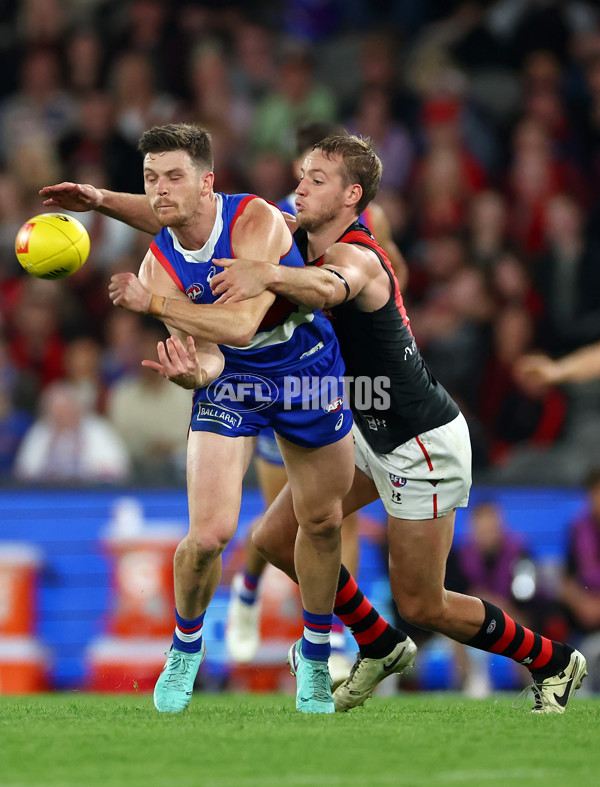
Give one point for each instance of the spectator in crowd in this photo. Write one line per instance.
(487, 228)
(35, 343)
(391, 140)
(15, 419)
(517, 413)
(12, 211)
(66, 444)
(138, 103)
(491, 563)
(93, 141)
(296, 100)
(510, 284)
(40, 108)
(152, 416)
(568, 279)
(447, 175)
(213, 98)
(535, 175)
(83, 372)
(14, 423)
(85, 64)
(121, 355)
(447, 323)
(580, 588)
(254, 73)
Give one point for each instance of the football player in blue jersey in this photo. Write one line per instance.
(247, 364)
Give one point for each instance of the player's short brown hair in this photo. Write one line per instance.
(194, 139)
(360, 164)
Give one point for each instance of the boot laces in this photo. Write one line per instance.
(178, 667)
(320, 683)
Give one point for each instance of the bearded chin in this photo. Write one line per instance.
(314, 223)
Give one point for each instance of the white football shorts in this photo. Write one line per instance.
(424, 478)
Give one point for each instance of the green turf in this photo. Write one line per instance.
(261, 741)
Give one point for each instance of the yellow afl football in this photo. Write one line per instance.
(52, 245)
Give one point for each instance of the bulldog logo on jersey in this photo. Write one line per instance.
(396, 480)
(195, 292)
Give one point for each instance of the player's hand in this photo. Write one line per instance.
(179, 364)
(72, 196)
(537, 369)
(241, 279)
(126, 290)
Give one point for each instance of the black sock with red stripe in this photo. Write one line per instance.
(501, 634)
(373, 634)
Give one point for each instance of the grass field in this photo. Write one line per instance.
(261, 741)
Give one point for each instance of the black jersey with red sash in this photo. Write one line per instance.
(381, 356)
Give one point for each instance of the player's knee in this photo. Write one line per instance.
(326, 525)
(209, 543)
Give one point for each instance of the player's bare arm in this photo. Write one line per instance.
(260, 230)
(132, 209)
(347, 272)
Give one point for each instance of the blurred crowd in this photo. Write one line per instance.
(486, 116)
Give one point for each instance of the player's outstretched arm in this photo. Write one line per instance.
(132, 209)
(577, 367)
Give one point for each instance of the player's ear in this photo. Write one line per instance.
(353, 194)
(208, 181)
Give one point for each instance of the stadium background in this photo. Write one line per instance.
(487, 118)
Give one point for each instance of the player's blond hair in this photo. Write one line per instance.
(360, 164)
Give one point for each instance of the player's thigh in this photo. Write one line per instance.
(271, 478)
(319, 478)
(216, 466)
(418, 551)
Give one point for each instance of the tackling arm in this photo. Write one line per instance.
(345, 272)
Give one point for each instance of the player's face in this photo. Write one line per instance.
(321, 194)
(174, 186)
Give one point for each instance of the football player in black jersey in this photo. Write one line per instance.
(412, 442)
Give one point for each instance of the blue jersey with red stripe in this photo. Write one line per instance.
(289, 335)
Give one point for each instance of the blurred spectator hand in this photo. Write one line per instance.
(537, 369)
